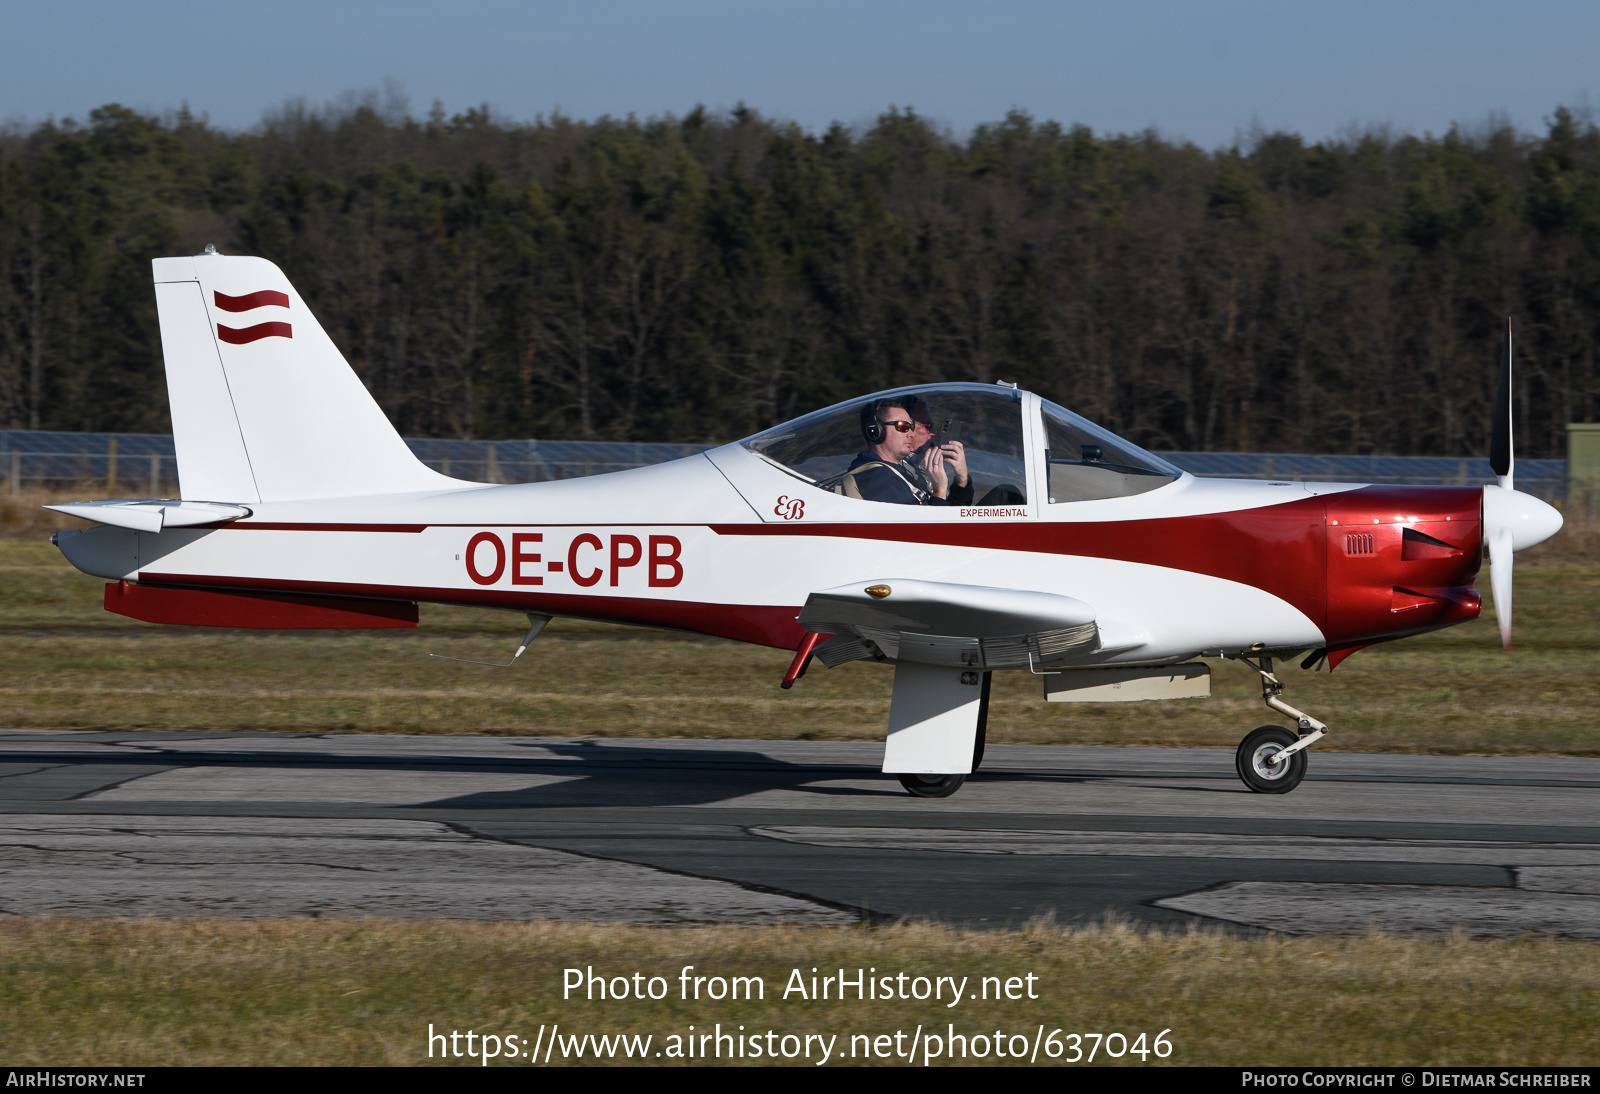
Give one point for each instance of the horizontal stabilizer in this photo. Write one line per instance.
(152, 514)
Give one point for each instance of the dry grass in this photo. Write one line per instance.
(148, 992)
(1431, 700)
(1578, 543)
(22, 518)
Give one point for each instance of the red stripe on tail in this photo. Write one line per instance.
(251, 334)
(264, 299)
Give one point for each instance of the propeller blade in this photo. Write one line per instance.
(1500, 555)
(1501, 458)
(1498, 530)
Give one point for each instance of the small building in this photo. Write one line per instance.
(1583, 468)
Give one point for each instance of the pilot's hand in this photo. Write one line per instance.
(937, 474)
(955, 454)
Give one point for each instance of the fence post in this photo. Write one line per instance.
(16, 473)
(111, 466)
(493, 474)
(155, 474)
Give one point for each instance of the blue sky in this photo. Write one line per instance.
(1207, 72)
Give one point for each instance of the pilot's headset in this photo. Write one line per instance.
(873, 430)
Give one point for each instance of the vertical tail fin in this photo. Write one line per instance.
(264, 406)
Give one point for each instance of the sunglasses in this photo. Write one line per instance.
(903, 426)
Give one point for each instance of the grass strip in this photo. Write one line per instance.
(151, 992)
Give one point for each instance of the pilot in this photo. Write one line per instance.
(902, 463)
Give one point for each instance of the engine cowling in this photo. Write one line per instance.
(1400, 561)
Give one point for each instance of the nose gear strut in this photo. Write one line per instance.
(1270, 759)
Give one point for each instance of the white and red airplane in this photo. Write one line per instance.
(1043, 542)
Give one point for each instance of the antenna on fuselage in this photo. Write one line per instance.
(536, 622)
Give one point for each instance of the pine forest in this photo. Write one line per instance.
(702, 277)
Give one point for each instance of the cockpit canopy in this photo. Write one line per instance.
(986, 420)
(1086, 462)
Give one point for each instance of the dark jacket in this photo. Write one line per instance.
(905, 484)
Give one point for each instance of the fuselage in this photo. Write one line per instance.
(715, 544)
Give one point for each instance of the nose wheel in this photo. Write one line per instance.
(1272, 760)
(1263, 766)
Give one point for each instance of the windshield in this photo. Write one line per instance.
(836, 449)
(1088, 463)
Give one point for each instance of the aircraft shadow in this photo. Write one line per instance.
(587, 774)
(598, 776)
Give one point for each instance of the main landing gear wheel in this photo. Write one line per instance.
(1256, 766)
(932, 786)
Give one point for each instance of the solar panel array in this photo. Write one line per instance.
(145, 464)
(1546, 479)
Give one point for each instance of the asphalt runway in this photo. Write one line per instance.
(684, 831)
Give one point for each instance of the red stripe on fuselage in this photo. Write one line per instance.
(282, 526)
(1279, 549)
(262, 611)
(306, 526)
(759, 624)
(1276, 548)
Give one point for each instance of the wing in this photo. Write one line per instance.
(939, 623)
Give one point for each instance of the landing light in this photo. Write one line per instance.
(879, 591)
